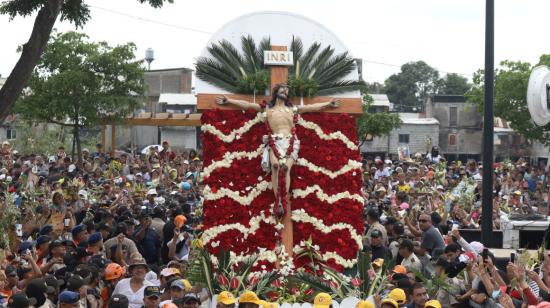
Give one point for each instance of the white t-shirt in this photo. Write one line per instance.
(135, 299)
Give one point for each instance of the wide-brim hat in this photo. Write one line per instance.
(136, 261)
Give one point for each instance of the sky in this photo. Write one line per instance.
(446, 34)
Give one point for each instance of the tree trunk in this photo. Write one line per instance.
(30, 55)
(76, 134)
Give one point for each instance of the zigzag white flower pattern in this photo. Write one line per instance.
(229, 157)
(211, 233)
(351, 165)
(347, 263)
(332, 136)
(302, 193)
(301, 215)
(244, 200)
(234, 134)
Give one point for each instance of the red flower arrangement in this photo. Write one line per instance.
(244, 175)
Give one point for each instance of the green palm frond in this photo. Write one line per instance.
(341, 87)
(314, 282)
(265, 44)
(221, 56)
(335, 68)
(251, 59)
(216, 73)
(297, 48)
(234, 55)
(307, 60)
(319, 62)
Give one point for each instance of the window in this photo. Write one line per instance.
(11, 133)
(403, 138)
(452, 139)
(453, 116)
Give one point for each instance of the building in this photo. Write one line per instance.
(167, 91)
(416, 133)
(460, 126)
(7, 132)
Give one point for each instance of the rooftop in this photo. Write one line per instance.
(449, 99)
(178, 99)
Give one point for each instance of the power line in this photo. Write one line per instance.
(152, 21)
(210, 33)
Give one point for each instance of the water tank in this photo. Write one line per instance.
(149, 55)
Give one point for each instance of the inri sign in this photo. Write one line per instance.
(285, 58)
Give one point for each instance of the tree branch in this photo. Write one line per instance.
(30, 55)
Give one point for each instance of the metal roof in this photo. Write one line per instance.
(178, 99)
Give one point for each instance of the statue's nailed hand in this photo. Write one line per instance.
(221, 100)
(334, 103)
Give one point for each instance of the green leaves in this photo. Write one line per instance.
(78, 82)
(315, 72)
(510, 102)
(376, 124)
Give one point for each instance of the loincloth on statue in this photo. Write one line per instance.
(281, 144)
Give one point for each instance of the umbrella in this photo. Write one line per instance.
(146, 149)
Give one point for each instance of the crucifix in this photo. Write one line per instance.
(282, 146)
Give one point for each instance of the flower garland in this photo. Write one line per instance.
(239, 205)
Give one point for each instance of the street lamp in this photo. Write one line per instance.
(149, 57)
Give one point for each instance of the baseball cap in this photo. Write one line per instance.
(24, 246)
(20, 300)
(399, 269)
(226, 298)
(249, 297)
(378, 262)
(398, 295)
(118, 301)
(364, 304)
(322, 300)
(46, 229)
(390, 301)
(151, 291)
(169, 271)
(77, 229)
(42, 239)
(376, 233)
(52, 283)
(433, 304)
(95, 238)
(114, 271)
(11, 270)
(69, 297)
(151, 191)
(182, 284)
(191, 297)
(75, 282)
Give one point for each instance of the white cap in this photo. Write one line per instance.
(15, 152)
(130, 177)
(151, 191)
(160, 200)
(83, 193)
(2, 177)
(388, 161)
(71, 168)
(52, 159)
(27, 163)
(186, 162)
(139, 174)
(6, 143)
(9, 178)
(440, 187)
(85, 150)
(3, 170)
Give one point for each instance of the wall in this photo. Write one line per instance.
(417, 139)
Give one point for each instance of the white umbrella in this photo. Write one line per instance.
(146, 149)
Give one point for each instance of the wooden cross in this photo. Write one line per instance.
(279, 74)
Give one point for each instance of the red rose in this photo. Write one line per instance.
(222, 280)
(234, 283)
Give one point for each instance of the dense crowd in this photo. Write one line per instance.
(117, 231)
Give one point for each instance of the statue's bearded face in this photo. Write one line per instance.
(282, 93)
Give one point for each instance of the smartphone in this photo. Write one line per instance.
(513, 257)
(485, 254)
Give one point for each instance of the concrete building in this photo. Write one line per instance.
(460, 126)
(7, 132)
(168, 91)
(415, 134)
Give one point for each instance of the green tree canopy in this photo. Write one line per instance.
(48, 11)
(413, 84)
(510, 102)
(454, 84)
(376, 124)
(78, 83)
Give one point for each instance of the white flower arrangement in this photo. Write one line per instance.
(302, 193)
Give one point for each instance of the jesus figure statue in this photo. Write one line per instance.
(282, 144)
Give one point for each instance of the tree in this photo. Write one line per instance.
(454, 84)
(317, 71)
(413, 85)
(375, 124)
(78, 84)
(510, 101)
(75, 11)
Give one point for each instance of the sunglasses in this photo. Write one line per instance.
(423, 220)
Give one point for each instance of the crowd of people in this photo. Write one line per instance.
(105, 231)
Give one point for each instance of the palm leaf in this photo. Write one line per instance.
(215, 73)
(314, 282)
(233, 53)
(341, 86)
(265, 44)
(335, 68)
(307, 59)
(320, 61)
(296, 47)
(221, 55)
(251, 60)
